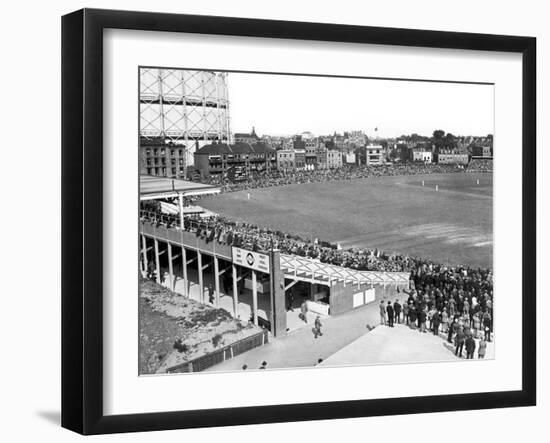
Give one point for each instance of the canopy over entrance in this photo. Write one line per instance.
(309, 270)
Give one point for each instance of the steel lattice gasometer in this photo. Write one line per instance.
(185, 107)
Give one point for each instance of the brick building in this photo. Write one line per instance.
(243, 137)
(286, 159)
(161, 159)
(246, 159)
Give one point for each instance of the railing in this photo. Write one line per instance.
(167, 228)
(172, 222)
(222, 354)
(159, 219)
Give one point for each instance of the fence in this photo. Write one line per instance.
(222, 354)
(172, 220)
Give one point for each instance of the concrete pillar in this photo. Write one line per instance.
(277, 292)
(180, 207)
(216, 282)
(184, 265)
(144, 254)
(201, 284)
(254, 299)
(170, 267)
(235, 291)
(157, 260)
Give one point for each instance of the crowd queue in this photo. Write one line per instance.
(454, 302)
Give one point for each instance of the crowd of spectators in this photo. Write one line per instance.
(279, 178)
(255, 238)
(456, 302)
(480, 165)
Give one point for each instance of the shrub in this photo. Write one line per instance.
(180, 346)
(216, 340)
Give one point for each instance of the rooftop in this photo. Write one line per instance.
(307, 269)
(237, 148)
(151, 187)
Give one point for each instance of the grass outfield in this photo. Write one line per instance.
(397, 214)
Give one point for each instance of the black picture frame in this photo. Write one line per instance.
(82, 219)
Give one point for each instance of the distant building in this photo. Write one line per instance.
(298, 142)
(321, 157)
(333, 158)
(339, 141)
(350, 158)
(403, 152)
(251, 138)
(482, 151)
(239, 159)
(452, 159)
(310, 156)
(286, 159)
(357, 138)
(421, 155)
(161, 159)
(374, 155)
(299, 159)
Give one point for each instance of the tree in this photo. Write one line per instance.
(438, 134)
(438, 140)
(450, 141)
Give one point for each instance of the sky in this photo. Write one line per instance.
(288, 104)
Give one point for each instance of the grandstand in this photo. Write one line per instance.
(236, 273)
(480, 164)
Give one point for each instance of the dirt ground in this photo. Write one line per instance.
(174, 329)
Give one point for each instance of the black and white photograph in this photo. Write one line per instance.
(310, 221)
(275, 221)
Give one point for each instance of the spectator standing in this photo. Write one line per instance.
(397, 311)
(382, 308)
(444, 321)
(436, 320)
(466, 308)
(470, 347)
(405, 313)
(422, 320)
(412, 316)
(452, 307)
(453, 328)
(290, 301)
(389, 310)
(431, 314)
(459, 341)
(477, 324)
(487, 325)
(303, 311)
(482, 348)
(317, 328)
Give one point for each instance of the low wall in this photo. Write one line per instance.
(222, 354)
(342, 297)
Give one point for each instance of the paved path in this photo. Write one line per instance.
(300, 349)
(397, 345)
